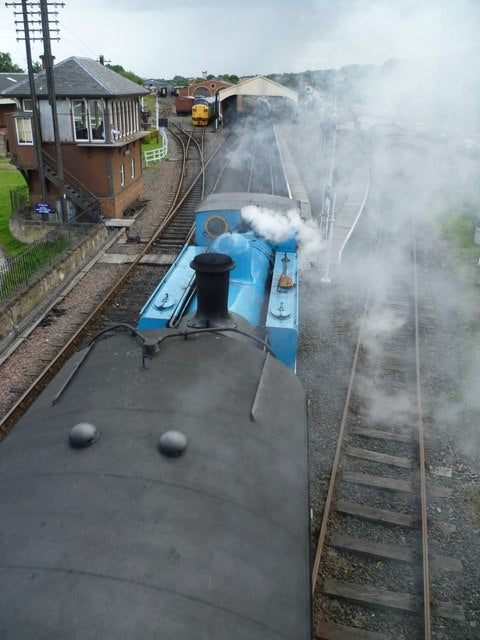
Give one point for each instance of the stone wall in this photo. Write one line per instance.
(28, 230)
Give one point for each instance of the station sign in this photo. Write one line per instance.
(43, 207)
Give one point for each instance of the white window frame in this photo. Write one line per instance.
(93, 113)
(132, 167)
(84, 115)
(122, 174)
(96, 118)
(26, 130)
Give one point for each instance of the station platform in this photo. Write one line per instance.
(354, 193)
(297, 190)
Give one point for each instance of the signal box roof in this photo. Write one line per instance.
(80, 77)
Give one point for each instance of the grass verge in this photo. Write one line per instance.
(10, 178)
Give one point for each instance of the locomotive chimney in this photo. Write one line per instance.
(212, 279)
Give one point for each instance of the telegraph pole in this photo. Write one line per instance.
(48, 64)
(37, 134)
(30, 9)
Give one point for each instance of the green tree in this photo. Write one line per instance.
(290, 80)
(126, 74)
(7, 66)
(180, 81)
(233, 79)
(37, 67)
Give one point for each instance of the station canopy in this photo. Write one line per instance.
(258, 86)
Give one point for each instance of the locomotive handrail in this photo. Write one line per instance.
(133, 331)
(151, 347)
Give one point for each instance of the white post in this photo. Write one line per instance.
(330, 219)
(328, 254)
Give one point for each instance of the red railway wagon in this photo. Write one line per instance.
(183, 105)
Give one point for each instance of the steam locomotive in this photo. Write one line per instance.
(158, 487)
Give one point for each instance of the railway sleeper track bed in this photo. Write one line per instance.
(376, 574)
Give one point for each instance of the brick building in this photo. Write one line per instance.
(100, 129)
(7, 105)
(207, 88)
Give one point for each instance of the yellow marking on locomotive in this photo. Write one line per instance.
(200, 114)
(215, 225)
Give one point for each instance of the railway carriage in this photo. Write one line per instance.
(163, 90)
(158, 487)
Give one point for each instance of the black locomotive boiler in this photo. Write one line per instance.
(158, 488)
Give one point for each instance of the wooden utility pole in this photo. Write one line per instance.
(42, 9)
(37, 133)
(48, 65)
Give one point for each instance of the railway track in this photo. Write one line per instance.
(373, 569)
(253, 164)
(43, 369)
(137, 276)
(178, 224)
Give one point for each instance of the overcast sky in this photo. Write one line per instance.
(160, 39)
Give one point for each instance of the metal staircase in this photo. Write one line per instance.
(87, 204)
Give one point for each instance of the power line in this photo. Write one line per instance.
(36, 18)
(75, 36)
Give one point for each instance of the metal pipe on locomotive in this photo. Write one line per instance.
(158, 487)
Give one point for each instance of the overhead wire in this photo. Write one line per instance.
(80, 41)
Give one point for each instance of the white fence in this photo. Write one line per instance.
(155, 155)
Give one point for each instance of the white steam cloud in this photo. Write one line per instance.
(277, 226)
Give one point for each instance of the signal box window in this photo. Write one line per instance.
(88, 119)
(24, 130)
(96, 120)
(80, 119)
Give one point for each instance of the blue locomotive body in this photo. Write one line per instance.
(158, 486)
(262, 284)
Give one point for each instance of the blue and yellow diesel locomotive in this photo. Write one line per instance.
(204, 110)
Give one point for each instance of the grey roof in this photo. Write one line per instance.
(8, 80)
(80, 77)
